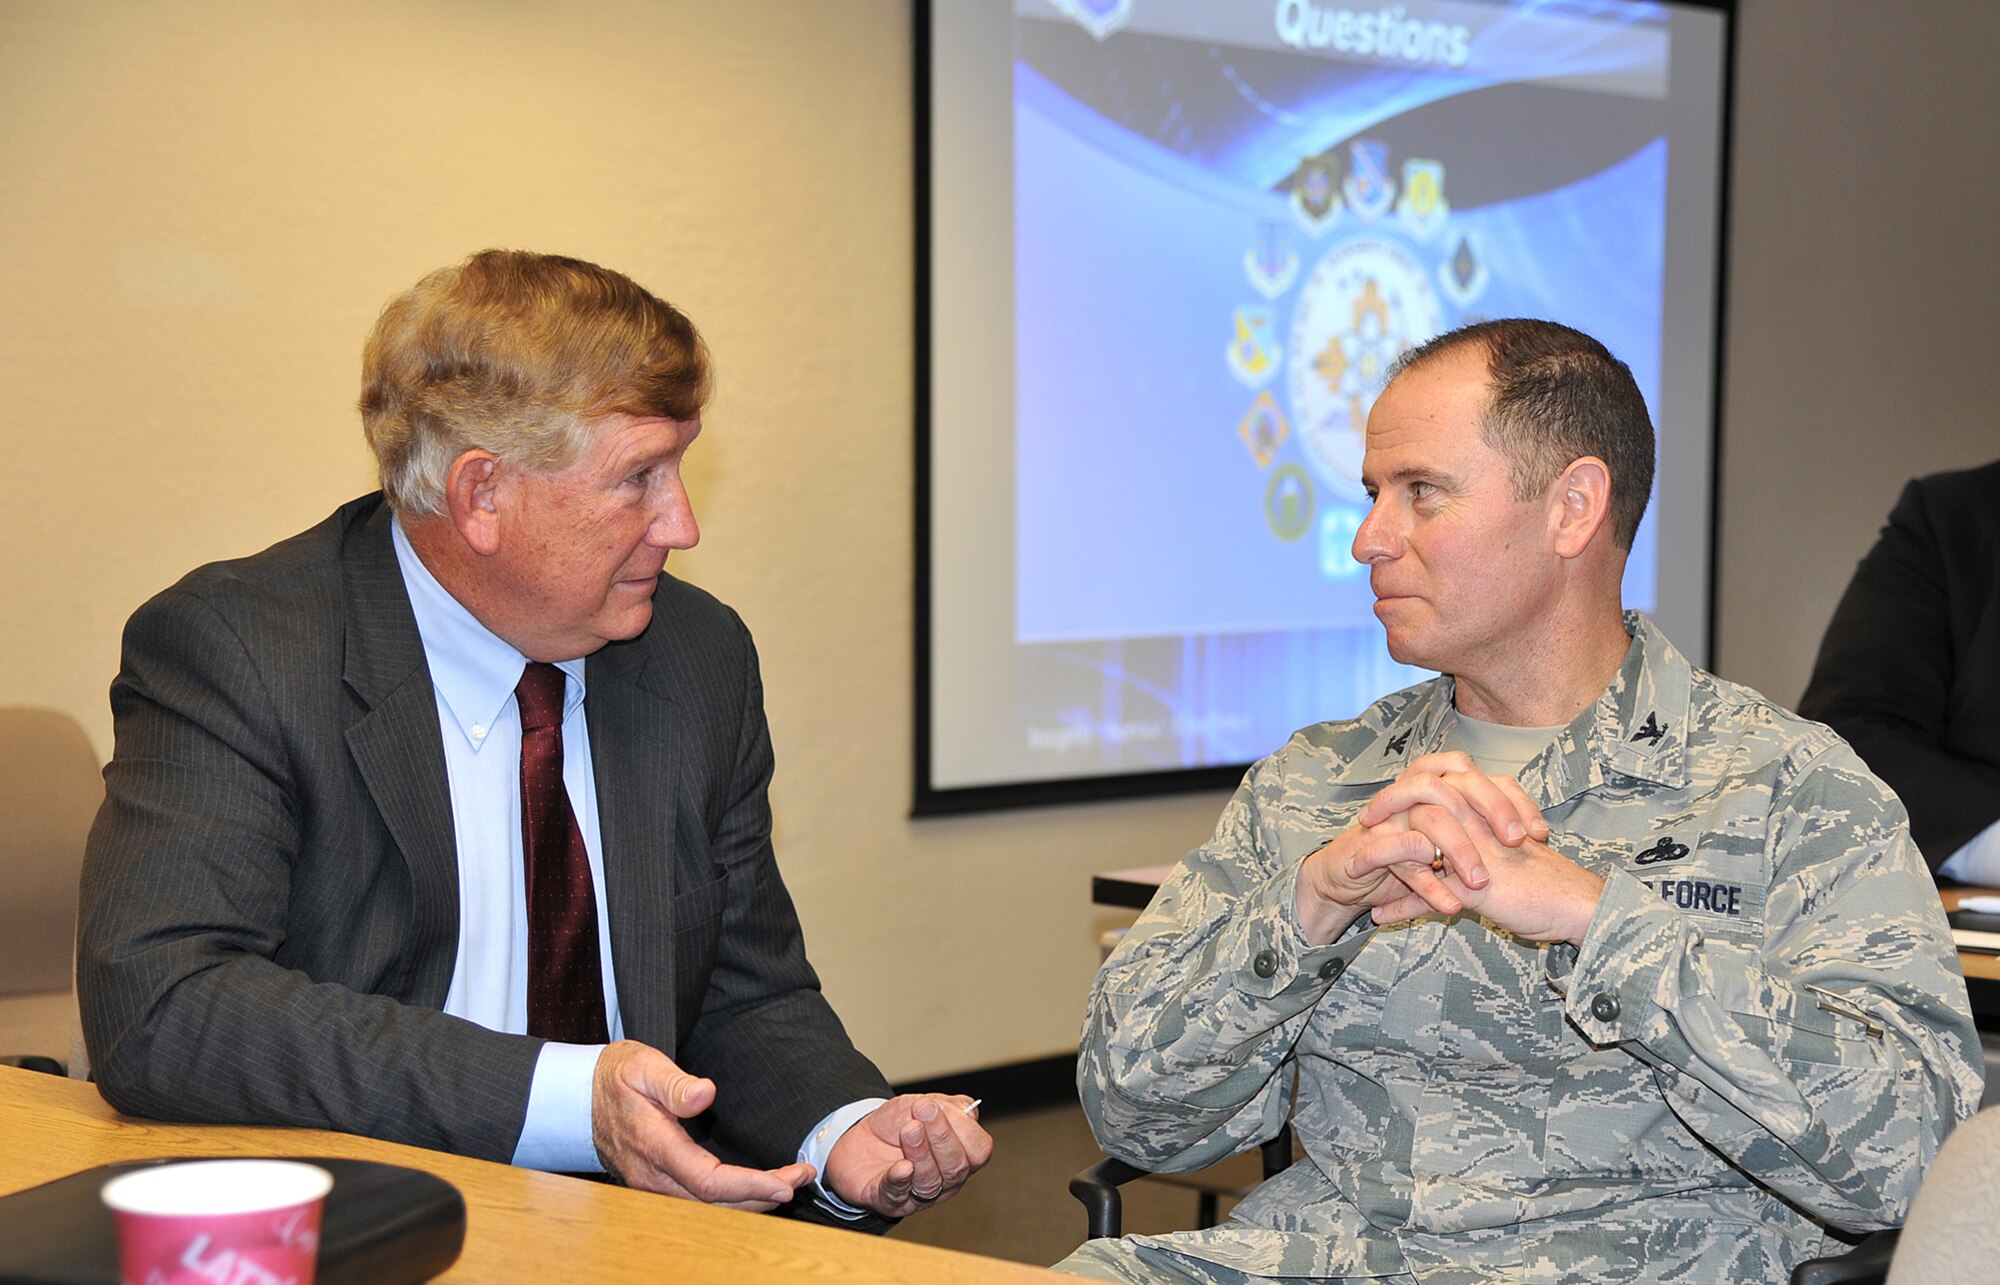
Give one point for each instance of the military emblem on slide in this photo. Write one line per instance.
(1463, 274)
(1338, 525)
(1315, 196)
(1288, 502)
(1254, 353)
(1368, 189)
(1271, 263)
(1363, 305)
(1099, 17)
(1263, 429)
(1422, 208)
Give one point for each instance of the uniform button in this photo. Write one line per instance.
(1265, 964)
(1604, 1008)
(1332, 969)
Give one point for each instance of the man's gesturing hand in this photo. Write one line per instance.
(908, 1154)
(637, 1102)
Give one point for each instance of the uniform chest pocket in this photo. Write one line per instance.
(1703, 875)
(1727, 907)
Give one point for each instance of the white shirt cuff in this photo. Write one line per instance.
(556, 1134)
(813, 1151)
(1978, 861)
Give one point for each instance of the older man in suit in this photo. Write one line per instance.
(445, 821)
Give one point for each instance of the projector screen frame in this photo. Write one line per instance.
(931, 800)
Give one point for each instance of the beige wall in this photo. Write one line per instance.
(203, 203)
(1864, 299)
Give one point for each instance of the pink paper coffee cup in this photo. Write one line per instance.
(248, 1222)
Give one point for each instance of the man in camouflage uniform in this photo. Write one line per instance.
(1587, 965)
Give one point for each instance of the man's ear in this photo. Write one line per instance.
(471, 496)
(1583, 505)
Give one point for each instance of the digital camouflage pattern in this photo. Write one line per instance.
(1764, 1033)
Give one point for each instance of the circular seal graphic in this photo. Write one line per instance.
(1366, 302)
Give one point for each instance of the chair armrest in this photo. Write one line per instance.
(1866, 1264)
(1097, 1188)
(33, 1062)
(1277, 1151)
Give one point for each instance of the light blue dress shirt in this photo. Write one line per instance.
(473, 675)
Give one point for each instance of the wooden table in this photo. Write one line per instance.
(520, 1225)
(1982, 971)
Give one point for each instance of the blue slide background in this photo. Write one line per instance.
(1161, 618)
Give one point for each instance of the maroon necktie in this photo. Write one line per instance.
(565, 986)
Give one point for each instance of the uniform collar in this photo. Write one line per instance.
(1637, 728)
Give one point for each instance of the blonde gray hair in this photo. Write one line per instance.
(519, 354)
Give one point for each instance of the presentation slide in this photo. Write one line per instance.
(1223, 221)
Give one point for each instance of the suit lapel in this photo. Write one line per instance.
(631, 753)
(398, 748)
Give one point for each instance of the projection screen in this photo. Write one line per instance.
(1166, 250)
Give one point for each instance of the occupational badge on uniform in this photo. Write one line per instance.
(1665, 850)
(1288, 502)
(1367, 187)
(1263, 429)
(1422, 208)
(1253, 349)
(1271, 263)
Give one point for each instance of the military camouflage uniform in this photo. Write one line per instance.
(1765, 1031)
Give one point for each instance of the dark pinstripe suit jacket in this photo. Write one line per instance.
(270, 898)
(1909, 670)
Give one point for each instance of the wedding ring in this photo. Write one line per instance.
(1439, 865)
(925, 1197)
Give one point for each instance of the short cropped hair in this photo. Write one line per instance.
(1557, 396)
(518, 354)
